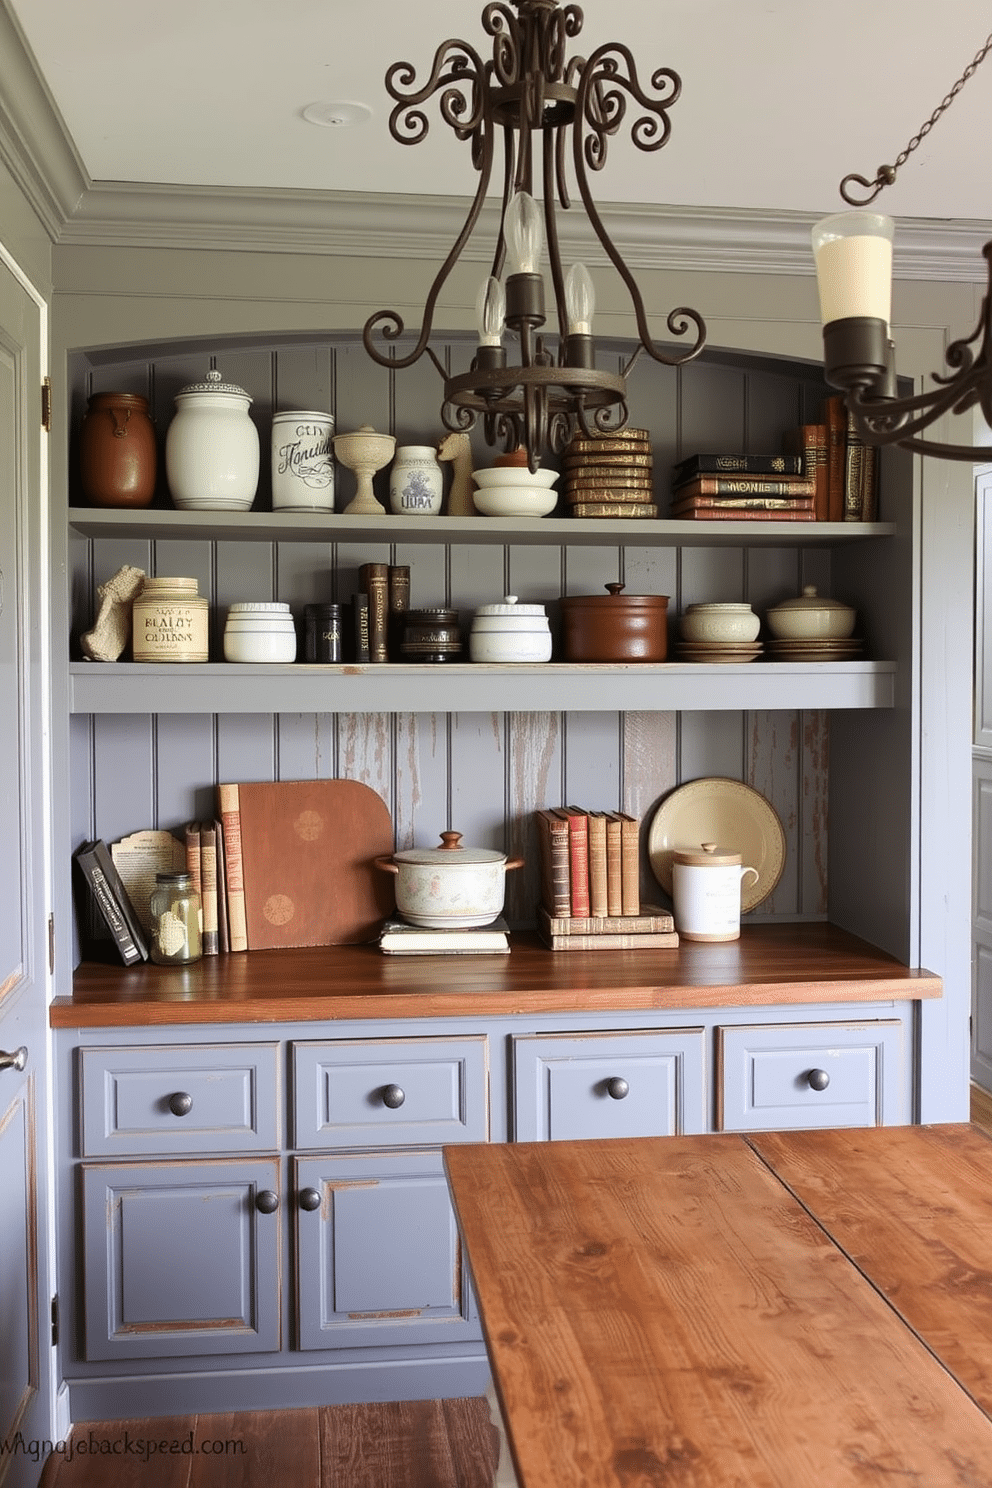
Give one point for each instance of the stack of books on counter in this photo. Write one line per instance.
(397, 938)
(743, 488)
(590, 883)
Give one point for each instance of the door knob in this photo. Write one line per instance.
(817, 1079)
(181, 1103)
(266, 1202)
(617, 1088)
(309, 1199)
(393, 1096)
(16, 1061)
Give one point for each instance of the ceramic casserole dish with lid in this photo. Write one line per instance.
(510, 632)
(811, 617)
(449, 886)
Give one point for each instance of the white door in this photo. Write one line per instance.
(25, 1277)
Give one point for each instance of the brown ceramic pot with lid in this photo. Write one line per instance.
(615, 626)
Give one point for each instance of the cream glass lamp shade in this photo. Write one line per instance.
(853, 254)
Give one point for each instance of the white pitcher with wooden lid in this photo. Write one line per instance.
(706, 892)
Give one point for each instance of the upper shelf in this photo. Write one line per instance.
(266, 526)
(459, 687)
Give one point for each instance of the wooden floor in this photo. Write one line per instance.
(416, 1444)
(981, 1108)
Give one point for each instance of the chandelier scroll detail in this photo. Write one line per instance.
(524, 107)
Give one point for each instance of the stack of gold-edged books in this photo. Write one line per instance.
(653, 929)
(609, 476)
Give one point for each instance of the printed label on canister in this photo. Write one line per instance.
(166, 631)
(302, 462)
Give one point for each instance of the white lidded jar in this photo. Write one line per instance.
(262, 631)
(212, 448)
(169, 621)
(510, 632)
(302, 461)
(706, 892)
(416, 481)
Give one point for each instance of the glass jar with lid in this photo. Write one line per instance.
(176, 920)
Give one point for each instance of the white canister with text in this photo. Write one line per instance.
(302, 461)
(416, 481)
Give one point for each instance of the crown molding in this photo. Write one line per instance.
(367, 224)
(38, 151)
(35, 145)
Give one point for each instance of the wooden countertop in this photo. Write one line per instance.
(806, 1307)
(769, 965)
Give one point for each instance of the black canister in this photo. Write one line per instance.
(322, 640)
(431, 636)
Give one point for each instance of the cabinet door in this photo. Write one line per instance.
(778, 1077)
(379, 1253)
(181, 1258)
(584, 1085)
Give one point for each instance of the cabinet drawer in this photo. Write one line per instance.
(160, 1099)
(390, 1092)
(644, 1084)
(821, 1074)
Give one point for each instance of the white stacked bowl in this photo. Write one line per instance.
(514, 491)
(260, 633)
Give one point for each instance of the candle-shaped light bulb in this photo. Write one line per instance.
(524, 232)
(580, 301)
(490, 309)
(853, 254)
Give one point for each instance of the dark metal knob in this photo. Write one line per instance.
(393, 1096)
(181, 1103)
(266, 1202)
(16, 1061)
(817, 1079)
(617, 1088)
(309, 1199)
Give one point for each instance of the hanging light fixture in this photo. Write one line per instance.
(542, 105)
(853, 253)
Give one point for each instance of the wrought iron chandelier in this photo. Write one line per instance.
(543, 105)
(853, 252)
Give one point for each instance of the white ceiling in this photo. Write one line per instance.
(780, 97)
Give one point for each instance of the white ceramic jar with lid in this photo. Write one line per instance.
(811, 617)
(510, 632)
(260, 632)
(706, 892)
(212, 447)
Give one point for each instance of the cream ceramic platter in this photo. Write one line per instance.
(734, 816)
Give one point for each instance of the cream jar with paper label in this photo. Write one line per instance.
(169, 621)
(706, 892)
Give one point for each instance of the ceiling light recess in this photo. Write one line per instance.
(532, 107)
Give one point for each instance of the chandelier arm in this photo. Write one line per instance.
(892, 421)
(499, 22)
(388, 322)
(466, 71)
(551, 229)
(601, 106)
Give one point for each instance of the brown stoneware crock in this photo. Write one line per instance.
(615, 626)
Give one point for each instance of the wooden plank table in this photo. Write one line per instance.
(775, 1309)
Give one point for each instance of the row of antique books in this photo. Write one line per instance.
(590, 883)
(825, 473)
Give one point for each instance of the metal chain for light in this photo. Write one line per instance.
(886, 174)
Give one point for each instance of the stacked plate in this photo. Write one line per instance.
(718, 651)
(609, 476)
(818, 648)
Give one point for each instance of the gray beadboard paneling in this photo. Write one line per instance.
(482, 774)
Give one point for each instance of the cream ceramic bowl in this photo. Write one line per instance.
(260, 633)
(515, 501)
(514, 475)
(720, 623)
(811, 618)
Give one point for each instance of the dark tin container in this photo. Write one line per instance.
(431, 636)
(322, 639)
(615, 626)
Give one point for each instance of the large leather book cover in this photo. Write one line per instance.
(810, 441)
(598, 902)
(552, 841)
(578, 856)
(308, 850)
(835, 418)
